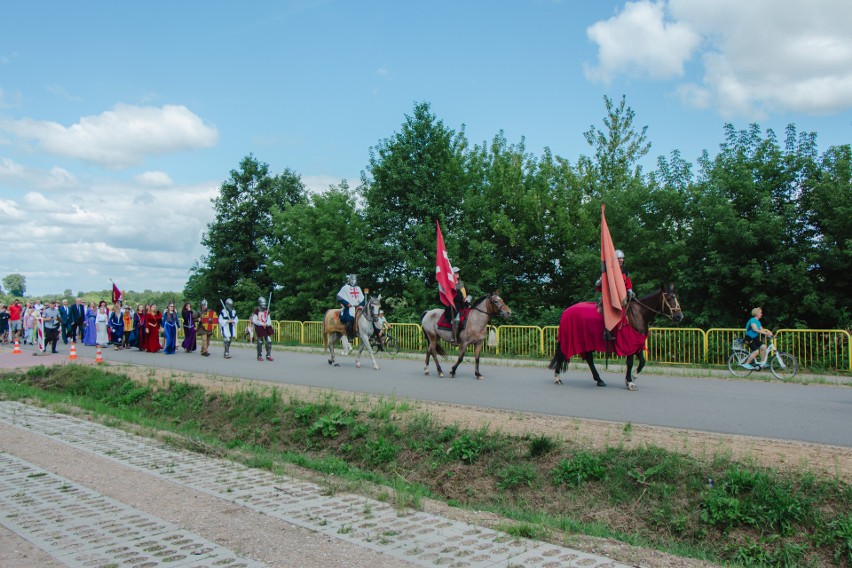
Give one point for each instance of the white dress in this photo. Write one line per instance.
(101, 321)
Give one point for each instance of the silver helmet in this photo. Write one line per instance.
(229, 303)
(203, 303)
(352, 279)
(261, 303)
(619, 254)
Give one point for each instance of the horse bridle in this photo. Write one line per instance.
(663, 305)
(490, 298)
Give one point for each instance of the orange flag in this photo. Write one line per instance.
(612, 283)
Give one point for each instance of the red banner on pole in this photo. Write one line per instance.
(444, 271)
(117, 296)
(612, 283)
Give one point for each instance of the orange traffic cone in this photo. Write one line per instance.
(99, 357)
(73, 354)
(17, 349)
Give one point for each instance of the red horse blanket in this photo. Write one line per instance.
(444, 323)
(581, 329)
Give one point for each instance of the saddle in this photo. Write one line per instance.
(448, 324)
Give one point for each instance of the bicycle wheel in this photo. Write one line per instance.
(735, 360)
(784, 366)
(391, 345)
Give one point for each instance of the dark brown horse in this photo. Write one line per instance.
(474, 333)
(581, 331)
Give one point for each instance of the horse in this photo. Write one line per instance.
(333, 330)
(475, 331)
(581, 331)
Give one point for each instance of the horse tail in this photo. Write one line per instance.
(559, 363)
(324, 334)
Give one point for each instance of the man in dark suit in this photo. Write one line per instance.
(78, 319)
(65, 320)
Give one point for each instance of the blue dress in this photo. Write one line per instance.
(90, 334)
(170, 326)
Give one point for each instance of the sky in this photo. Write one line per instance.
(119, 121)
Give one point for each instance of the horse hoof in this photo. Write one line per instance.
(632, 387)
(452, 375)
(601, 383)
(427, 373)
(441, 375)
(480, 378)
(557, 382)
(337, 364)
(330, 362)
(358, 365)
(376, 367)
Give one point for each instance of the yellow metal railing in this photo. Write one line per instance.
(820, 349)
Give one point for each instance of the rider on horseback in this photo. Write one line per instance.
(350, 296)
(453, 312)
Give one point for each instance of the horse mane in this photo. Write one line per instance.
(479, 300)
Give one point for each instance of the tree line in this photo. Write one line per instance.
(764, 222)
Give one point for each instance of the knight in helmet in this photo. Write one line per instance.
(228, 324)
(262, 329)
(206, 322)
(350, 297)
(628, 285)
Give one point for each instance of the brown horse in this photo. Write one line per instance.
(333, 331)
(581, 331)
(474, 333)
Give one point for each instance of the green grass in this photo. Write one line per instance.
(747, 515)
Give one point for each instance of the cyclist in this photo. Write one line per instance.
(381, 324)
(753, 332)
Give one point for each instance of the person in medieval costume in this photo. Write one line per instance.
(205, 320)
(453, 311)
(628, 285)
(349, 297)
(187, 316)
(116, 326)
(171, 324)
(262, 329)
(228, 324)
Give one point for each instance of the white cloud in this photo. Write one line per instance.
(142, 235)
(757, 57)
(56, 178)
(156, 179)
(383, 71)
(639, 42)
(121, 137)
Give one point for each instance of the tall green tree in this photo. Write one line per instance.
(827, 207)
(234, 265)
(415, 177)
(16, 284)
(314, 245)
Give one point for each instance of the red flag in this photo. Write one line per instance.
(444, 272)
(612, 283)
(117, 296)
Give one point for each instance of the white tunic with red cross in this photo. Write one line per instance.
(351, 295)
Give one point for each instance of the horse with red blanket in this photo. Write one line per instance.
(581, 332)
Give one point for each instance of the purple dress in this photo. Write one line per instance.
(188, 331)
(90, 334)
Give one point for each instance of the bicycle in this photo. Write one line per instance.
(782, 365)
(390, 344)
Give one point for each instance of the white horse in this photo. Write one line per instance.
(333, 330)
(474, 333)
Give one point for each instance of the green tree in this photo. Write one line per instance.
(827, 207)
(314, 245)
(414, 178)
(16, 284)
(234, 265)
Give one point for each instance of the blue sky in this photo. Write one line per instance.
(119, 121)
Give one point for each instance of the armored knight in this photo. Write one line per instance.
(228, 324)
(350, 297)
(262, 329)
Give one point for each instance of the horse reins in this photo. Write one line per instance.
(664, 304)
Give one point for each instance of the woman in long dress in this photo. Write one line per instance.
(171, 322)
(188, 318)
(90, 333)
(152, 330)
(101, 324)
(139, 321)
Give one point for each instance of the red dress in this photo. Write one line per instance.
(152, 332)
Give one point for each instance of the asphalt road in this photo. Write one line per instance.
(819, 414)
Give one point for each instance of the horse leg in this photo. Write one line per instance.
(462, 350)
(365, 342)
(332, 339)
(477, 349)
(428, 355)
(628, 378)
(589, 356)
